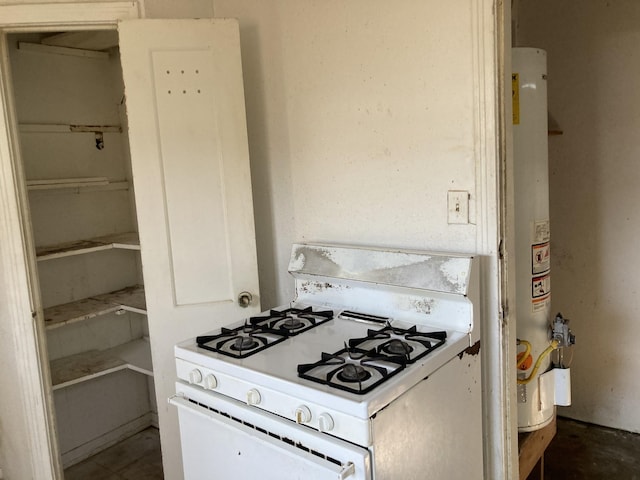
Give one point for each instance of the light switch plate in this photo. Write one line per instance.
(458, 207)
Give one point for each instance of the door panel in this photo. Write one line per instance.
(195, 207)
(190, 162)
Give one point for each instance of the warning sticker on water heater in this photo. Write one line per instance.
(540, 293)
(540, 286)
(540, 304)
(540, 258)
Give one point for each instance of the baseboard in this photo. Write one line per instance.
(105, 441)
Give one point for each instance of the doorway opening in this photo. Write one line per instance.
(68, 97)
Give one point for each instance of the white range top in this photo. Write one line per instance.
(276, 366)
(428, 291)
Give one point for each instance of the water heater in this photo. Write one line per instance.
(541, 384)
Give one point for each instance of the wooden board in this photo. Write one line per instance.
(121, 240)
(88, 40)
(65, 128)
(77, 311)
(71, 188)
(135, 355)
(531, 447)
(84, 366)
(54, 50)
(58, 183)
(130, 298)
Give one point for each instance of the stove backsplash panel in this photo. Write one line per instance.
(416, 287)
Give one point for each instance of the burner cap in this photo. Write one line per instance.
(292, 324)
(397, 347)
(244, 343)
(353, 373)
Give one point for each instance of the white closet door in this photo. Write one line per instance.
(190, 160)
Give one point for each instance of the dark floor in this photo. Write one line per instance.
(583, 451)
(137, 457)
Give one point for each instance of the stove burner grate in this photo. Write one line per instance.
(292, 321)
(240, 342)
(352, 369)
(409, 343)
(259, 333)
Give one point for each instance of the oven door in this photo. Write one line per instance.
(223, 438)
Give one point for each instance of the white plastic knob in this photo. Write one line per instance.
(303, 414)
(210, 382)
(253, 397)
(195, 376)
(325, 422)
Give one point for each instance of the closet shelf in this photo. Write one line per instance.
(129, 299)
(97, 40)
(55, 50)
(66, 183)
(134, 355)
(127, 241)
(64, 128)
(84, 183)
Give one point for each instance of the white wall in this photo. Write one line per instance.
(593, 67)
(178, 9)
(360, 118)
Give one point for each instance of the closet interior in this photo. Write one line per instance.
(69, 102)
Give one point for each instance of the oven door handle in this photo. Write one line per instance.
(342, 472)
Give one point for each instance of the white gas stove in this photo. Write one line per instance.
(371, 372)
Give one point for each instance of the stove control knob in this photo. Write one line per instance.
(253, 397)
(210, 382)
(195, 376)
(303, 414)
(325, 422)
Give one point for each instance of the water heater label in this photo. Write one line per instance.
(515, 95)
(540, 286)
(540, 304)
(540, 258)
(541, 231)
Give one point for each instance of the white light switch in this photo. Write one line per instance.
(457, 206)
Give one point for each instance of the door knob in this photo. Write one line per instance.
(245, 299)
